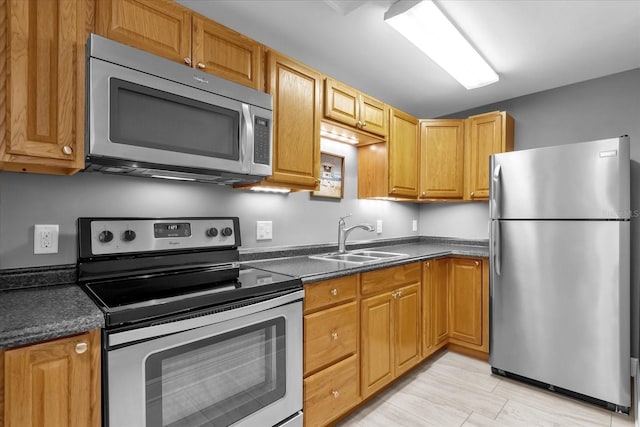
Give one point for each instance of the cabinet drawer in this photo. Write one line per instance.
(387, 279)
(331, 392)
(329, 335)
(329, 292)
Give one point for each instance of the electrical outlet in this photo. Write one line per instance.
(414, 225)
(264, 230)
(45, 238)
(379, 226)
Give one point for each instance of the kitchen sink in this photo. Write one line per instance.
(360, 256)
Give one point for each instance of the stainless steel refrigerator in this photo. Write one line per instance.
(560, 267)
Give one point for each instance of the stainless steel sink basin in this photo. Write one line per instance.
(360, 257)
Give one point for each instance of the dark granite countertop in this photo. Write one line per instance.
(314, 270)
(37, 314)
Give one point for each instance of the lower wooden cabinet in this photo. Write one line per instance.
(331, 392)
(55, 383)
(469, 304)
(435, 305)
(391, 325)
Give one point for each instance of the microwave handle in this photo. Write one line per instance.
(246, 138)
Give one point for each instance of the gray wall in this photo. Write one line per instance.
(298, 218)
(602, 108)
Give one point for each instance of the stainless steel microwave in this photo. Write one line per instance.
(148, 116)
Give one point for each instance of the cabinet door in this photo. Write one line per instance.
(466, 301)
(56, 383)
(161, 27)
(441, 159)
(45, 86)
(488, 133)
(440, 301)
(403, 155)
(406, 318)
(373, 115)
(341, 102)
(296, 91)
(221, 51)
(428, 280)
(377, 343)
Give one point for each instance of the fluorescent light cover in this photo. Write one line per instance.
(175, 178)
(271, 190)
(424, 25)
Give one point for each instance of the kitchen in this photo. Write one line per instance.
(569, 113)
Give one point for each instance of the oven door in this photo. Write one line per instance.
(241, 367)
(139, 117)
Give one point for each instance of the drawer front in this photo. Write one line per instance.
(388, 279)
(331, 392)
(329, 335)
(329, 292)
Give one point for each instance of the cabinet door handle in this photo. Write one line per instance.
(399, 293)
(477, 263)
(81, 347)
(394, 294)
(393, 190)
(67, 150)
(363, 124)
(201, 65)
(334, 292)
(428, 264)
(187, 61)
(472, 193)
(335, 394)
(334, 335)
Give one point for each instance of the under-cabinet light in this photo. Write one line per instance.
(424, 25)
(174, 178)
(271, 190)
(339, 137)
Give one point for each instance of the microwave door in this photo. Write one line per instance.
(136, 116)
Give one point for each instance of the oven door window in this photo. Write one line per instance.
(147, 117)
(218, 380)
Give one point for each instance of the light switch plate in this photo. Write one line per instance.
(414, 225)
(264, 230)
(45, 238)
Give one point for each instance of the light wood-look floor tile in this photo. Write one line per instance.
(456, 390)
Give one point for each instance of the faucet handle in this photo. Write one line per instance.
(346, 216)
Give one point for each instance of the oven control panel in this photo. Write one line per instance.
(129, 235)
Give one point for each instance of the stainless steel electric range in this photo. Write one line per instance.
(192, 338)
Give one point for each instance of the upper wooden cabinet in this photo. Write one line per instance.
(403, 154)
(487, 134)
(167, 29)
(441, 159)
(42, 85)
(296, 91)
(55, 383)
(347, 105)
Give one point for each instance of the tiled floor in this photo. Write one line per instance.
(455, 390)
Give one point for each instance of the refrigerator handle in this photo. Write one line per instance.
(495, 195)
(496, 243)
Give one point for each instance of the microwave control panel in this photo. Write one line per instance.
(262, 144)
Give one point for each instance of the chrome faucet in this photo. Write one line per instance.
(344, 232)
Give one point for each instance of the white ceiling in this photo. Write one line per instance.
(533, 45)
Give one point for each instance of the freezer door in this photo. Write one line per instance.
(560, 304)
(588, 180)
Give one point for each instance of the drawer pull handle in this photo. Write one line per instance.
(67, 150)
(335, 394)
(187, 61)
(81, 347)
(201, 65)
(334, 292)
(334, 335)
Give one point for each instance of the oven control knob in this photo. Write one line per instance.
(105, 236)
(128, 235)
(227, 231)
(212, 232)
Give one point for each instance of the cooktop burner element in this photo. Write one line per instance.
(143, 270)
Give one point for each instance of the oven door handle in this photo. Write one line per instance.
(157, 331)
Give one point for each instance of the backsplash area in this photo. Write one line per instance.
(298, 218)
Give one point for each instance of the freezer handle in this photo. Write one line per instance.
(495, 244)
(495, 195)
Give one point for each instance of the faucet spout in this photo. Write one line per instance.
(344, 231)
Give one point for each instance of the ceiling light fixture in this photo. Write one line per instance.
(424, 25)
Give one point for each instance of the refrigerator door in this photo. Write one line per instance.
(587, 180)
(560, 304)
